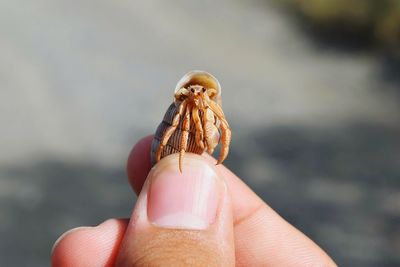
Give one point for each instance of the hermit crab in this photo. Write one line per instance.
(194, 122)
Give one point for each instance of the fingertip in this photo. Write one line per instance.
(180, 218)
(139, 165)
(64, 236)
(89, 246)
(64, 253)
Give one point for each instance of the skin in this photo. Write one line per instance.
(196, 98)
(247, 232)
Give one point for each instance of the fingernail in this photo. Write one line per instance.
(187, 200)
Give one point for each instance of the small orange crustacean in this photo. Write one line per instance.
(194, 122)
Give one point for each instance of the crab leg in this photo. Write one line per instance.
(185, 135)
(225, 140)
(210, 130)
(218, 111)
(181, 94)
(225, 131)
(171, 129)
(199, 127)
(211, 92)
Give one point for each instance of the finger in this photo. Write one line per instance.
(139, 165)
(262, 237)
(89, 246)
(180, 219)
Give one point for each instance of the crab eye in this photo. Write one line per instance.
(204, 90)
(192, 90)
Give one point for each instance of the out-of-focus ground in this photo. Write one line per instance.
(362, 21)
(316, 128)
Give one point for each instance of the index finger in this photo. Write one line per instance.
(262, 237)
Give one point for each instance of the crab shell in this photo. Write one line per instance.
(195, 77)
(203, 78)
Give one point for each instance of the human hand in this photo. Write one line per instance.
(205, 216)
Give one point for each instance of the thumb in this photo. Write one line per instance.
(180, 219)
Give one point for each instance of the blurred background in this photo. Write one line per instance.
(311, 90)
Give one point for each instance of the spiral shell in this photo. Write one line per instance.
(191, 78)
(173, 143)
